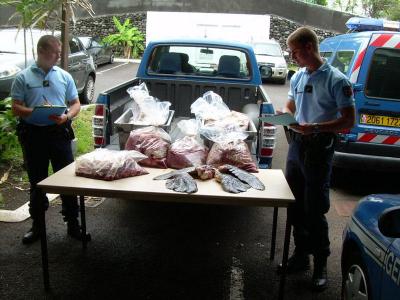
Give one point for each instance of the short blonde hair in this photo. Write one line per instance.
(46, 41)
(302, 36)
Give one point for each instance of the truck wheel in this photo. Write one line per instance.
(87, 95)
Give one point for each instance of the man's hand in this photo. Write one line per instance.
(305, 129)
(59, 119)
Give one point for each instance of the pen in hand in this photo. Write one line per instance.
(46, 102)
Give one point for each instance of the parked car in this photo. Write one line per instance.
(101, 53)
(12, 61)
(371, 250)
(271, 60)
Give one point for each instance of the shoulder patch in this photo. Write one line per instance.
(347, 91)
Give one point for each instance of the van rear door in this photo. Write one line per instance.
(375, 75)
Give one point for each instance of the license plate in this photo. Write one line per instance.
(380, 120)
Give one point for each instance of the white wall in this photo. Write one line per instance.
(236, 27)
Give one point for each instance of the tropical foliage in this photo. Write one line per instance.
(9, 146)
(129, 37)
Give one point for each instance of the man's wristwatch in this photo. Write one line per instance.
(315, 128)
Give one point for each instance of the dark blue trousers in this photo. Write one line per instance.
(43, 145)
(308, 171)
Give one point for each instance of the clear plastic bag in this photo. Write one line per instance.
(230, 148)
(138, 92)
(189, 127)
(146, 110)
(209, 106)
(108, 164)
(151, 111)
(186, 152)
(234, 118)
(152, 141)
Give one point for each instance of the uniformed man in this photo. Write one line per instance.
(44, 83)
(321, 100)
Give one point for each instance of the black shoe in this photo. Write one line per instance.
(31, 236)
(320, 277)
(75, 231)
(296, 263)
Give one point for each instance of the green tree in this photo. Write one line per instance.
(347, 5)
(378, 8)
(129, 37)
(318, 2)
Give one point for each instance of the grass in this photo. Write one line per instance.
(82, 126)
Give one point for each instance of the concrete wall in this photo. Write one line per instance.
(296, 11)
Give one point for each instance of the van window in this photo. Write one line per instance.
(384, 74)
(326, 55)
(342, 60)
(199, 61)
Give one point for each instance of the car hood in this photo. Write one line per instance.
(14, 59)
(270, 59)
(371, 207)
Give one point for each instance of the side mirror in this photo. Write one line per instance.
(389, 222)
(285, 54)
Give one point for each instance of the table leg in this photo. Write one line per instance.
(85, 236)
(285, 257)
(273, 238)
(43, 245)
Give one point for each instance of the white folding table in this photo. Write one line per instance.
(143, 188)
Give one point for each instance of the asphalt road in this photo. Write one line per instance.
(142, 250)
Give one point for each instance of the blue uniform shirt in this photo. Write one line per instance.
(320, 96)
(33, 86)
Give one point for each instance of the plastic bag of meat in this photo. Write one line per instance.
(183, 128)
(153, 142)
(229, 148)
(108, 164)
(238, 118)
(186, 152)
(209, 106)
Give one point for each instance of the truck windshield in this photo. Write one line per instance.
(183, 60)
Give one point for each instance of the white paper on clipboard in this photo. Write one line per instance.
(284, 119)
(40, 114)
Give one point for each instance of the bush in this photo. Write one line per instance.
(9, 145)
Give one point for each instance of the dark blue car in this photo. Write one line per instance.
(371, 250)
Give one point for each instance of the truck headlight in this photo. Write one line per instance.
(8, 71)
(281, 65)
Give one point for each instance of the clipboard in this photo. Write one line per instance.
(40, 114)
(284, 119)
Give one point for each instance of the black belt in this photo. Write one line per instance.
(295, 136)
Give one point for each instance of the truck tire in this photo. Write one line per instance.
(87, 95)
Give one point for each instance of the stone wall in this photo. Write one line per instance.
(102, 26)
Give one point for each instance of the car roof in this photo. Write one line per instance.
(354, 35)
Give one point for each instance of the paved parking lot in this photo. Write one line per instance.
(143, 250)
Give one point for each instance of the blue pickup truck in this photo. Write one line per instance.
(181, 71)
(369, 56)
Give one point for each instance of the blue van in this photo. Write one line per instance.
(369, 55)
